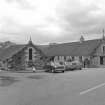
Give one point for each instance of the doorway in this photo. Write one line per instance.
(101, 60)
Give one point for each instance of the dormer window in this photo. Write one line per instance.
(30, 53)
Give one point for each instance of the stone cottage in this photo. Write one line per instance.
(90, 52)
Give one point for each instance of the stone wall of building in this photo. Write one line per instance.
(20, 61)
(17, 61)
(99, 52)
(37, 58)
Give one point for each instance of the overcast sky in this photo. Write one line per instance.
(51, 20)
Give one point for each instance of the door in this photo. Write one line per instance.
(101, 60)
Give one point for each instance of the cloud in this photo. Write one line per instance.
(51, 20)
(23, 4)
(43, 18)
(84, 16)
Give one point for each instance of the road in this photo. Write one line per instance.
(85, 87)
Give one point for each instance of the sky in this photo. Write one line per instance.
(51, 21)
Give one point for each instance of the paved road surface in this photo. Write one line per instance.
(86, 87)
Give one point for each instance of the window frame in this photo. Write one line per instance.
(30, 53)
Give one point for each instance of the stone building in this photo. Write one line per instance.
(90, 52)
(21, 57)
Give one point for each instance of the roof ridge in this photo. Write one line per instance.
(76, 42)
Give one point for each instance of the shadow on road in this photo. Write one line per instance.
(7, 81)
(36, 77)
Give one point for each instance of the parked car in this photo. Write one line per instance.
(47, 67)
(74, 65)
(55, 67)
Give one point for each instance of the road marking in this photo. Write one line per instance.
(91, 89)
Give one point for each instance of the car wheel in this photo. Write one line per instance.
(63, 71)
(53, 71)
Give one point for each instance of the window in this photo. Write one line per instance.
(73, 58)
(103, 49)
(61, 58)
(80, 58)
(56, 58)
(30, 53)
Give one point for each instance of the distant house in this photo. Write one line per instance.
(90, 52)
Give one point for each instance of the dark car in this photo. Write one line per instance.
(47, 67)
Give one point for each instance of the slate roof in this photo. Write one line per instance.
(74, 48)
(66, 49)
(6, 53)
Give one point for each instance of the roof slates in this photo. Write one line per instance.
(66, 49)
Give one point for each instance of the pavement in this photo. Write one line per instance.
(80, 87)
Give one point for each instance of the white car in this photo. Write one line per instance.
(74, 65)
